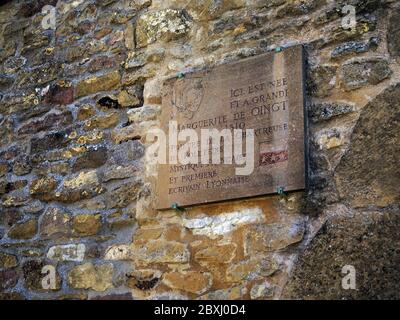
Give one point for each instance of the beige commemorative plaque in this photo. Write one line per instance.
(264, 93)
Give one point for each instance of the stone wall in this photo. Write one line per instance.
(76, 193)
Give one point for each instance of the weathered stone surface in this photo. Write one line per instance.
(54, 223)
(123, 195)
(34, 207)
(393, 37)
(8, 279)
(60, 155)
(365, 23)
(103, 122)
(21, 165)
(118, 252)
(297, 7)
(163, 25)
(60, 94)
(77, 296)
(23, 230)
(138, 76)
(31, 8)
(143, 279)
(19, 102)
(11, 296)
(233, 293)
(216, 254)
(33, 276)
(158, 251)
(362, 6)
(85, 112)
(276, 236)
(37, 110)
(68, 252)
(102, 63)
(368, 241)
(91, 159)
(144, 234)
(8, 261)
(128, 100)
(6, 128)
(326, 111)
(112, 297)
(205, 10)
(15, 200)
(139, 59)
(230, 24)
(4, 186)
(192, 281)
(13, 64)
(50, 141)
(123, 221)
(126, 152)
(323, 80)
(4, 168)
(358, 73)
(145, 113)
(264, 290)
(84, 185)
(213, 226)
(86, 225)
(118, 172)
(106, 82)
(331, 138)
(15, 185)
(42, 187)
(252, 269)
(62, 168)
(47, 122)
(6, 82)
(9, 50)
(10, 216)
(93, 137)
(89, 276)
(38, 76)
(354, 47)
(75, 53)
(370, 176)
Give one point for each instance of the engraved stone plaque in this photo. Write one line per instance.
(264, 93)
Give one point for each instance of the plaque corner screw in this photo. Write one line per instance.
(281, 192)
(176, 207)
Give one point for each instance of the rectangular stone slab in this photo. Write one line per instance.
(264, 93)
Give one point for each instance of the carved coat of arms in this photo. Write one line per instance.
(187, 97)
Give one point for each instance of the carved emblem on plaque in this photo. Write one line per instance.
(187, 97)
